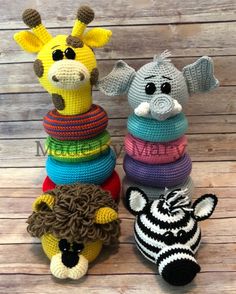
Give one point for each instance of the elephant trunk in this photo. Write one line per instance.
(177, 265)
(164, 106)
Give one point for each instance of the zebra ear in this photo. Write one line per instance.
(204, 206)
(136, 200)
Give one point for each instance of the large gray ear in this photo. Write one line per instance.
(118, 81)
(200, 75)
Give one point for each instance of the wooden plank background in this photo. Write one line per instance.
(141, 29)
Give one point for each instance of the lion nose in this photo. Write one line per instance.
(70, 259)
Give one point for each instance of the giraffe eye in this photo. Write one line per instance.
(57, 55)
(70, 53)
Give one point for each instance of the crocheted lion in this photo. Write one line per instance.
(73, 222)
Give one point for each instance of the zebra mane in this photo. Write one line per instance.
(176, 200)
(162, 58)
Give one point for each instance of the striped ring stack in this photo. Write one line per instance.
(78, 148)
(156, 155)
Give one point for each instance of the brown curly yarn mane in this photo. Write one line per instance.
(73, 213)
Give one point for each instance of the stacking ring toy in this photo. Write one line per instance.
(152, 130)
(89, 172)
(76, 127)
(78, 151)
(161, 175)
(154, 152)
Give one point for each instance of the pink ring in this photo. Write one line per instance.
(155, 152)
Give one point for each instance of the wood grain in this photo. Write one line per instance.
(112, 261)
(33, 106)
(211, 124)
(117, 284)
(19, 77)
(12, 208)
(205, 174)
(202, 147)
(123, 12)
(151, 39)
(215, 231)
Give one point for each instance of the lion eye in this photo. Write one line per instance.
(57, 55)
(70, 53)
(63, 245)
(77, 247)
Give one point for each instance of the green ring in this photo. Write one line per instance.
(78, 150)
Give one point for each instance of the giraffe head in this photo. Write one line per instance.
(65, 65)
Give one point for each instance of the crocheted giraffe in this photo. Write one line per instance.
(65, 65)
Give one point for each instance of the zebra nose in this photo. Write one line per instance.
(180, 272)
(70, 259)
(55, 79)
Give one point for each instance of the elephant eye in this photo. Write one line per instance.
(70, 53)
(182, 236)
(150, 88)
(169, 238)
(57, 55)
(64, 245)
(166, 88)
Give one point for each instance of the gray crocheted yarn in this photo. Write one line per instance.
(154, 193)
(158, 89)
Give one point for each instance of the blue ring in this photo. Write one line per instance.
(89, 172)
(152, 130)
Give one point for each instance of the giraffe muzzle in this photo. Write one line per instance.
(68, 74)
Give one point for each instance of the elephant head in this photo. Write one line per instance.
(158, 89)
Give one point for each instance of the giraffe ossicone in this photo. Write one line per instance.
(65, 65)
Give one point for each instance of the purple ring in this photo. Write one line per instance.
(158, 175)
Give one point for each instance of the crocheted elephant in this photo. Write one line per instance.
(73, 222)
(158, 89)
(167, 233)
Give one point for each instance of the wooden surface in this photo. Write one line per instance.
(141, 28)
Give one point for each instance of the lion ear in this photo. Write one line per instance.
(105, 215)
(43, 202)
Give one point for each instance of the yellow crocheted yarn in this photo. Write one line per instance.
(70, 82)
(105, 215)
(50, 247)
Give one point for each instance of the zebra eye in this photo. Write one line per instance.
(169, 238)
(182, 236)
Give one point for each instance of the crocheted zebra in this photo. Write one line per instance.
(167, 233)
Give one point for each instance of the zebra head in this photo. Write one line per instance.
(167, 233)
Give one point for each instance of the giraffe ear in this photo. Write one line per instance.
(28, 41)
(97, 37)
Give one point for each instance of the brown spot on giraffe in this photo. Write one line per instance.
(31, 18)
(94, 76)
(85, 14)
(58, 101)
(38, 68)
(74, 42)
